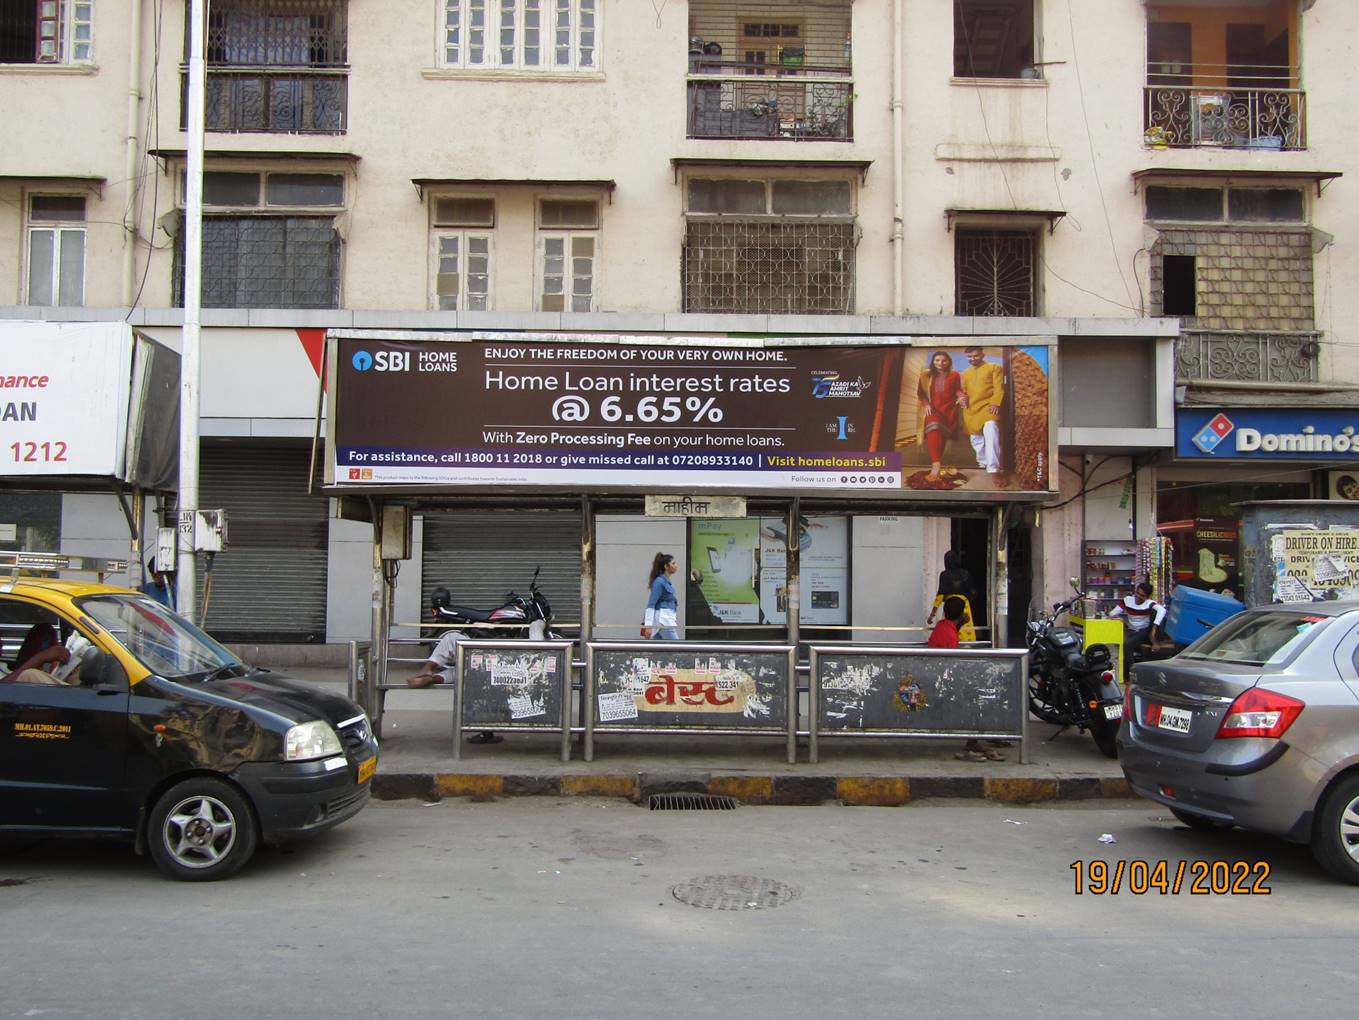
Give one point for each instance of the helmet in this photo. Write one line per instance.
(439, 598)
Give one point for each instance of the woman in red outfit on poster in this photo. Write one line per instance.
(938, 391)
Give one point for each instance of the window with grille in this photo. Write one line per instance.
(526, 35)
(46, 31)
(56, 250)
(996, 272)
(274, 66)
(994, 39)
(769, 246)
(568, 255)
(461, 240)
(269, 241)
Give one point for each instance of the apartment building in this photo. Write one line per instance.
(1156, 187)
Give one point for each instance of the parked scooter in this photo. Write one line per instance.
(519, 618)
(1070, 686)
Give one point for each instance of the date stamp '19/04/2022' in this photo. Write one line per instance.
(1170, 878)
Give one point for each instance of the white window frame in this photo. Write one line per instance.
(567, 235)
(464, 236)
(508, 24)
(58, 229)
(71, 38)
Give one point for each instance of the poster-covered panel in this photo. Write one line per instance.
(64, 398)
(565, 410)
(682, 687)
(522, 687)
(1309, 563)
(919, 692)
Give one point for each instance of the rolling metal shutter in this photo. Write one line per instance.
(479, 557)
(270, 584)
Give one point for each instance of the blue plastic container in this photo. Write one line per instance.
(1194, 612)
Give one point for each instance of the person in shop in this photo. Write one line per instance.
(1142, 619)
(981, 399)
(440, 666)
(955, 580)
(939, 389)
(945, 635)
(161, 587)
(662, 605)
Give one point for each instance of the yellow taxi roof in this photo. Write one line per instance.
(56, 590)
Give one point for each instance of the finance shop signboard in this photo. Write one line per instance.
(609, 413)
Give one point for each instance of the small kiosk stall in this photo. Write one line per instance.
(759, 444)
(88, 407)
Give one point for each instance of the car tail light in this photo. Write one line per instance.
(1259, 713)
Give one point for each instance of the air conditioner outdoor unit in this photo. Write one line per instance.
(1208, 118)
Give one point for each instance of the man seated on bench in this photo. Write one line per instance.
(438, 669)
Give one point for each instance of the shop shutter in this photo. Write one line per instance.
(270, 584)
(479, 557)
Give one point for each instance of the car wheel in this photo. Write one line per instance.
(1197, 822)
(1335, 838)
(201, 829)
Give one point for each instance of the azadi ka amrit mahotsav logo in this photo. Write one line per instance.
(1211, 435)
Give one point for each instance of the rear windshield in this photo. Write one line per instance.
(1267, 639)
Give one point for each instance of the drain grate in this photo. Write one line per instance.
(735, 892)
(691, 802)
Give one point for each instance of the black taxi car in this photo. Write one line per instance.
(142, 727)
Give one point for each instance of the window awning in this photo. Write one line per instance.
(423, 183)
(260, 155)
(1234, 176)
(859, 166)
(1053, 216)
(96, 184)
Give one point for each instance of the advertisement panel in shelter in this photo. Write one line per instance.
(611, 413)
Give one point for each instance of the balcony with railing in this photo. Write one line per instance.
(277, 66)
(1225, 106)
(1205, 357)
(770, 71)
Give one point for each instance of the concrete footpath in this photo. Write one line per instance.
(417, 761)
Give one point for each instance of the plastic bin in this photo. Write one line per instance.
(1194, 612)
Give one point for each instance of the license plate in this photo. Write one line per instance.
(1174, 719)
(1113, 711)
(366, 770)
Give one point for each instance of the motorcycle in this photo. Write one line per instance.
(1070, 686)
(518, 618)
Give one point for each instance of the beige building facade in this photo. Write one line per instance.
(1164, 187)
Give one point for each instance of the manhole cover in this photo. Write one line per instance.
(735, 892)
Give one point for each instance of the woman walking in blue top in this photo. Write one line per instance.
(661, 605)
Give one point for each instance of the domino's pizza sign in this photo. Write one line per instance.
(1266, 434)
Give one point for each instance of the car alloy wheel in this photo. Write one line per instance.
(201, 829)
(1335, 837)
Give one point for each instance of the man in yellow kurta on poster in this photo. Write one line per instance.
(981, 400)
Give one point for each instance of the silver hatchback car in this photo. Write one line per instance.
(1256, 724)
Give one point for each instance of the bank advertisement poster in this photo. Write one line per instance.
(617, 413)
(823, 570)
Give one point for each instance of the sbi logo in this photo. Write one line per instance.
(383, 361)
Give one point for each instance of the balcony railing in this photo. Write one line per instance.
(729, 99)
(1246, 356)
(1225, 106)
(276, 100)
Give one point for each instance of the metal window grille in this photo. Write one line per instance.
(275, 66)
(266, 262)
(996, 272)
(46, 31)
(769, 266)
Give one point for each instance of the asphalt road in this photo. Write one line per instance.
(565, 908)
